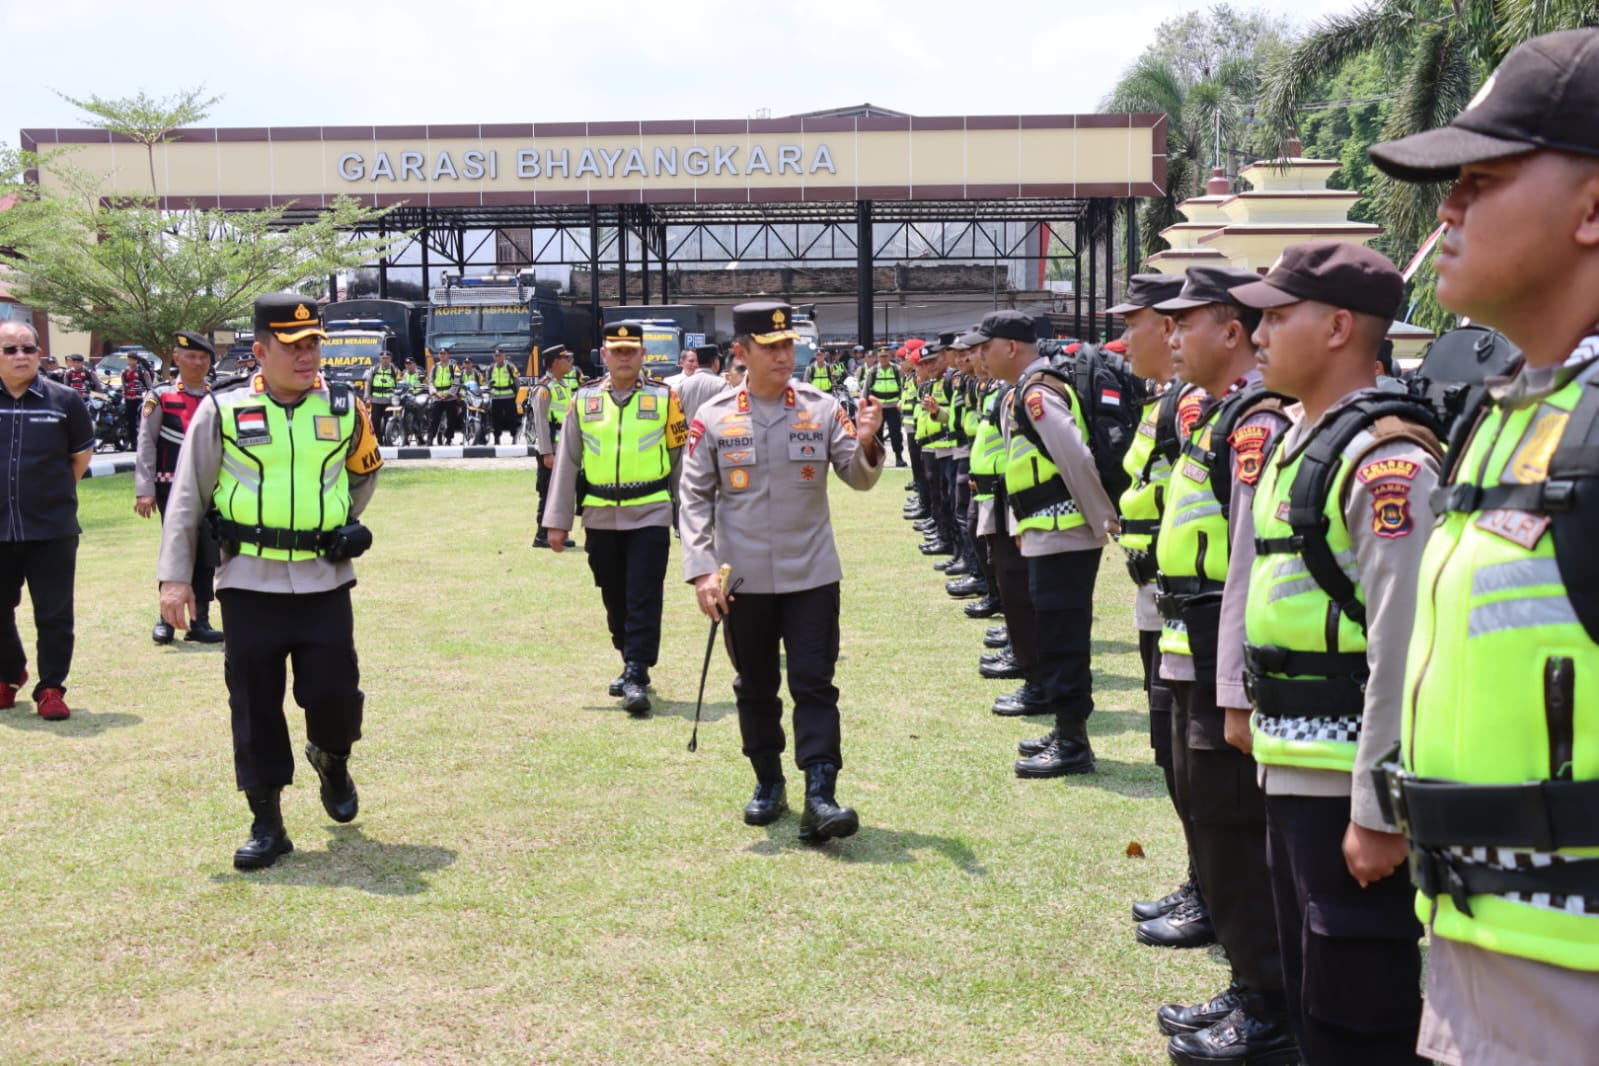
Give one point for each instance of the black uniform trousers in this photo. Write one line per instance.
(49, 568)
(448, 412)
(131, 410)
(960, 488)
(542, 485)
(806, 624)
(933, 492)
(893, 430)
(380, 419)
(629, 566)
(918, 476)
(502, 414)
(203, 578)
(953, 517)
(1226, 824)
(265, 631)
(979, 554)
(1062, 590)
(1010, 575)
(1158, 694)
(1351, 962)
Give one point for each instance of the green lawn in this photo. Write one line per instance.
(535, 877)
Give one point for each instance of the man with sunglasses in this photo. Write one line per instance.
(46, 433)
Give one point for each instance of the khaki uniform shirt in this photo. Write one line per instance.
(698, 388)
(1064, 443)
(150, 432)
(541, 416)
(754, 491)
(560, 506)
(196, 480)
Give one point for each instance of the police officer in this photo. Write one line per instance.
(164, 422)
(416, 384)
(1500, 750)
(1203, 551)
(755, 498)
(258, 452)
(380, 384)
(1060, 512)
(136, 381)
(624, 435)
(444, 385)
(501, 381)
(885, 384)
(81, 379)
(1171, 410)
(823, 373)
(1326, 656)
(703, 383)
(547, 406)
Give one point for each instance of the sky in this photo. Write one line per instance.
(405, 62)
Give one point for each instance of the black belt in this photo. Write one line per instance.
(1028, 502)
(296, 540)
(1543, 815)
(1176, 593)
(628, 490)
(1294, 545)
(1140, 526)
(987, 483)
(1542, 497)
(1141, 567)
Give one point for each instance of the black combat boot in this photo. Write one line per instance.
(1149, 910)
(163, 632)
(987, 607)
(339, 797)
(200, 630)
(1029, 699)
(1033, 745)
(771, 797)
(1242, 1037)
(966, 587)
(635, 676)
(1069, 753)
(824, 819)
(268, 839)
(621, 679)
(1188, 925)
(1176, 1018)
(996, 636)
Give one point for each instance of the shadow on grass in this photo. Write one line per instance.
(352, 860)
(684, 709)
(1112, 647)
(83, 723)
(872, 844)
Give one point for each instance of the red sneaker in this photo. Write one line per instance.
(8, 692)
(52, 705)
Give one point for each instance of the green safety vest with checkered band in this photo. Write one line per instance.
(1502, 678)
(971, 408)
(1036, 492)
(988, 445)
(283, 467)
(626, 461)
(908, 394)
(383, 382)
(1148, 463)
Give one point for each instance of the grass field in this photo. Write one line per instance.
(537, 878)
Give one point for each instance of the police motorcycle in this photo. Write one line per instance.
(408, 420)
(475, 424)
(110, 425)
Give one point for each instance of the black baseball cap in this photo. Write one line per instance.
(1147, 290)
(766, 321)
(1003, 325)
(1344, 275)
(941, 342)
(194, 342)
(288, 316)
(628, 334)
(1209, 285)
(1544, 95)
(75, 357)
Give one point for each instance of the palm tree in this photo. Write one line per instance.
(1202, 119)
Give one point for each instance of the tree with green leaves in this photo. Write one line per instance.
(134, 272)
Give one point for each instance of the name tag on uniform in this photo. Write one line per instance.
(1194, 472)
(250, 427)
(805, 445)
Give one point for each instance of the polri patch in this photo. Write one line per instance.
(696, 430)
(1390, 510)
(1035, 406)
(843, 419)
(1521, 528)
(1387, 468)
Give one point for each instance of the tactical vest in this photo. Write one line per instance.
(886, 386)
(1148, 463)
(1036, 492)
(989, 453)
(133, 387)
(944, 432)
(930, 433)
(626, 461)
(1191, 546)
(971, 410)
(443, 376)
(177, 411)
(1499, 792)
(1305, 617)
(560, 402)
(502, 381)
(908, 393)
(282, 481)
(416, 381)
(821, 376)
(383, 382)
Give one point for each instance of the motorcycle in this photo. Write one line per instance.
(408, 417)
(110, 425)
(475, 426)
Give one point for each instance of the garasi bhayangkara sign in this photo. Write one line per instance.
(718, 161)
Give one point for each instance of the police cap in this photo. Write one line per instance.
(767, 321)
(194, 342)
(288, 316)
(627, 334)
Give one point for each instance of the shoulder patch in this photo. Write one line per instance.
(151, 401)
(1380, 469)
(696, 430)
(1390, 510)
(1249, 451)
(843, 419)
(1035, 405)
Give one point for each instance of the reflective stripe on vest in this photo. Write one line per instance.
(560, 402)
(989, 453)
(886, 385)
(1494, 634)
(1192, 540)
(502, 381)
(624, 447)
(382, 385)
(282, 467)
(1141, 504)
(177, 411)
(1027, 467)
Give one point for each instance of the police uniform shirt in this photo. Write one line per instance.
(195, 480)
(150, 432)
(1388, 515)
(542, 397)
(698, 388)
(755, 488)
(1069, 452)
(561, 504)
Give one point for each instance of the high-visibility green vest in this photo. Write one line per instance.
(282, 467)
(443, 376)
(1497, 650)
(560, 401)
(416, 381)
(1287, 609)
(502, 381)
(886, 386)
(821, 375)
(626, 461)
(908, 392)
(930, 433)
(943, 433)
(383, 385)
(989, 452)
(971, 410)
(1031, 476)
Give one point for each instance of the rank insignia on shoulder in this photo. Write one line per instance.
(1390, 510)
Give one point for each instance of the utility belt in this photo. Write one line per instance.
(1321, 685)
(502, 394)
(347, 542)
(988, 484)
(1142, 568)
(933, 439)
(1028, 502)
(627, 490)
(1175, 594)
(1436, 816)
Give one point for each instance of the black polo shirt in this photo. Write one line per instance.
(39, 434)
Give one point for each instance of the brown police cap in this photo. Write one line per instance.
(1330, 272)
(1544, 95)
(1147, 290)
(288, 316)
(767, 321)
(1209, 285)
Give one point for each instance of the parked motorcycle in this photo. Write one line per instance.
(110, 425)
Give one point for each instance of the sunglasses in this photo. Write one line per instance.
(25, 349)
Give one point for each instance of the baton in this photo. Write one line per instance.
(710, 644)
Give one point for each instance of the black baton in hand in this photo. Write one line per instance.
(710, 644)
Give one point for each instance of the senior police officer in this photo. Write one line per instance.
(547, 404)
(380, 384)
(287, 462)
(624, 435)
(164, 422)
(1348, 484)
(755, 498)
(1500, 778)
